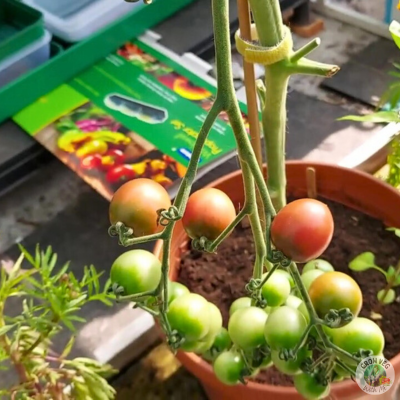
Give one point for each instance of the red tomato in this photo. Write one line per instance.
(302, 230)
(208, 212)
(136, 204)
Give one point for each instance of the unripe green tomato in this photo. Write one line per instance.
(309, 277)
(284, 328)
(137, 271)
(291, 367)
(246, 327)
(222, 341)
(190, 316)
(360, 333)
(309, 387)
(293, 301)
(175, 290)
(228, 367)
(287, 275)
(241, 302)
(303, 309)
(276, 290)
(319, 264)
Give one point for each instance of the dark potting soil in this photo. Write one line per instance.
(221, 277)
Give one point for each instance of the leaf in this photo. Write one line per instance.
(389, 297)
(363, 262)
(390, 274)
(27, 255)
(78, 301)
(5, 329)
(377, 117)
(394, 29)
(68, 347)
(375, 316)
(397, 281)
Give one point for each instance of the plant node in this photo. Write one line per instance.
(202, 244)
(277, 257)
(337, 318)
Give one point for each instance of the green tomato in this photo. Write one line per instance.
(198, 347)
(293, 301)
(319, 264)
(309, 277)
(276, 290)
(215, 320)
(176, 290)
(303, 309)
(228, 367)
(309, 387)
(291, 367)
(190, 315)
(241, 302)
(266, 362)
(287, 275)
(284, 328)
(360, 333)
(137, 271)
(246, 327)
(222, 341)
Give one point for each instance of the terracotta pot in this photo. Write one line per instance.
(352, 188)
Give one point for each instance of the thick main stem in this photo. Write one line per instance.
(274, 122)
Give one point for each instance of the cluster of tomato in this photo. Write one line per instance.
(302, 230)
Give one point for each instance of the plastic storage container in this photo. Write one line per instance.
(75, 20)
(26, 59)
(20, 25)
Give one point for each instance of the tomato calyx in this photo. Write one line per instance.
(203, 244)
(337, 318)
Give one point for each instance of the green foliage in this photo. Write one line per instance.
(51, 298)
(366, 261)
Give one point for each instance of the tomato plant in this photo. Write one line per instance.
(208, 212)
(284, 328)
(190, 316)
(136, 204)
(137, 271)
(303, 229)
(228, 367)
(276, 290)
(334, 291)
(309, 387)
(246, 327)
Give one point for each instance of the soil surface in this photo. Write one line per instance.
(221, 277)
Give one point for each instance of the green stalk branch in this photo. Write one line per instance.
(305, 50)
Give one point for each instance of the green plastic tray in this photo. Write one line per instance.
(20, 25)
(65, 65)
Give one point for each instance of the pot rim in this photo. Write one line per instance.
(201, 363)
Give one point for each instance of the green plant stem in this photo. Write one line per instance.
(239, 217)
(305, 50)
(267, 276)
(126, 241)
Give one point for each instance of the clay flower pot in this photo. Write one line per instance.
(351, 188)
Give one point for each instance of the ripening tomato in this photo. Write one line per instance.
(241, 302)
(175, 290)
(302, 230)
(284, 328)
(310, 388)
(190, 316)
(360, 333)
(228, 367)
(136, 204)
(137, 271)
(276, 290)
(208, 212)
(246, 327)
(291, 367)
(333, 291)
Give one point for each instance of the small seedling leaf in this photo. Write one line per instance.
(390, 274)
(388, 298)
(363, 262)
(5, 329)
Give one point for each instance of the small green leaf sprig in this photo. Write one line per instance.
(51, 299)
